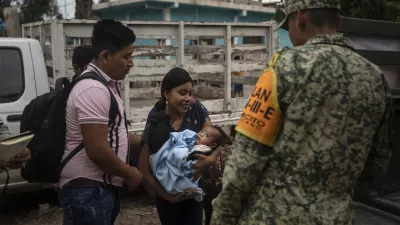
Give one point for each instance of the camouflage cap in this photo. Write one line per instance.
(298, 5)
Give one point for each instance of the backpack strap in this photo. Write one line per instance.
(126, 127)
(275, 57)
(126, 120)
(114, 111)
(61, 83)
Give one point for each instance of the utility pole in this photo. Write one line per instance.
(65, 9)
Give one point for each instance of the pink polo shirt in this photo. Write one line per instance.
(89, 102)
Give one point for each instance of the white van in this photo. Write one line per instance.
(23, 76)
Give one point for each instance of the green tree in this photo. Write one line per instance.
(393, 10)
(279, 14)
(83, 9)
(33, 10)
(388, 10)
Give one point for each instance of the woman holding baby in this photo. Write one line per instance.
(175, 112)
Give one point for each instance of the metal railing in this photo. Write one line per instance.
(164, 45)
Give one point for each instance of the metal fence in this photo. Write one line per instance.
(205, 50)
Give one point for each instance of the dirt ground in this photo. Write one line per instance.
(139, 209)
(134, 211)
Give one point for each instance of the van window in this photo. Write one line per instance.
(11, 75)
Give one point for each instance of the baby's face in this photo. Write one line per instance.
(206, 136)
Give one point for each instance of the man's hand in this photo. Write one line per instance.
(203, 163)
(134, 180)
(17, 160)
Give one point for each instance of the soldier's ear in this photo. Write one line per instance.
(301, 20)
(339, 24)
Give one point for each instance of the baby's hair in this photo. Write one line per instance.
(223, 138)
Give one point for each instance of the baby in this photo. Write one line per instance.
(208, 139)
(172, 164)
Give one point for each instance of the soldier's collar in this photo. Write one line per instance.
(333, 39)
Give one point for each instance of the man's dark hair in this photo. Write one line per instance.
(82, 56)
(110, 35)
(322, 17)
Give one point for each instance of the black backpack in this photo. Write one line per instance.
(45, 117)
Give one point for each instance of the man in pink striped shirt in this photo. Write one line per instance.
(89, 182)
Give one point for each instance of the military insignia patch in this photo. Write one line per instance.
(261, 117)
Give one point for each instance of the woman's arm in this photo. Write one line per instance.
(207, 123)
(152, 184)
(149, 182)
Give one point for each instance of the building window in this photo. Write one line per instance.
(207, 41)
(237, 58)
(253, 40)
(193, 42)
(11, 75)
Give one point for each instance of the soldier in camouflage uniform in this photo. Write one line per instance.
(17, 160)
(318, 115)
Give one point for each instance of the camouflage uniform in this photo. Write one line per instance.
(4, 132)
(336, 108)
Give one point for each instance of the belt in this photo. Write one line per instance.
(85, 182)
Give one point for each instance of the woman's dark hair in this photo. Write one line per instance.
(174, 78)
(223, 138)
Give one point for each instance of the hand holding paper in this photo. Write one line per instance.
(17, 160)
(12, 146)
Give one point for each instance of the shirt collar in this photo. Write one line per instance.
(332, 39)
(93, 68)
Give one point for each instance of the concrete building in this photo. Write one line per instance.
(199, 11)
(193, 11)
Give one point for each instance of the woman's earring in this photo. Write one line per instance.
(166, 105)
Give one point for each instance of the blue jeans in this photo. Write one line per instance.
(89, 206)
